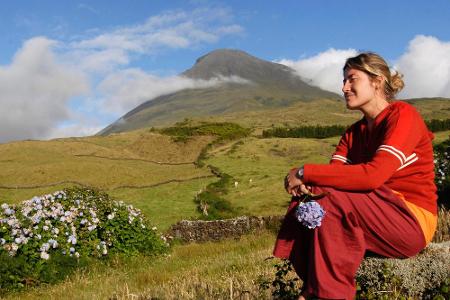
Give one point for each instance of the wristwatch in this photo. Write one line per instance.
(300, 172)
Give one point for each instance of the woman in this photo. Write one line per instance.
(379, 187)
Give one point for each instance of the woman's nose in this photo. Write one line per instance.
(345, 86)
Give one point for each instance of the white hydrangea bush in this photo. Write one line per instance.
(76, 222)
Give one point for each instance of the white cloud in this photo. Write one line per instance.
(323, 70)
(126, 89)
(46, 87)
(74, 130)
(426, 68)
(88, 8)
(101, 61)
(35, 89)
(170, 30)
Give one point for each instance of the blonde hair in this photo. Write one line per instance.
(374, 65)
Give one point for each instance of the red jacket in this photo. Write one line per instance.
(398, 152)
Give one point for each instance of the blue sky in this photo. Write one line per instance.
(69, 68)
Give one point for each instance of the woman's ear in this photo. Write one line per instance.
(378, 82)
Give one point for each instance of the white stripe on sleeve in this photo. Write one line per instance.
(393, 153)
(341, 158)
(400, 153)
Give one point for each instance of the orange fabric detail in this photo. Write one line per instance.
(426, 219)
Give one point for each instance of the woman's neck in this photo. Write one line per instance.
(372, 110)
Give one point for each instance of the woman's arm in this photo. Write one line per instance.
(403, 130)
(358, 177)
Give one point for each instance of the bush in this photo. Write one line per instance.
(210, 202)
(318, 132)
(224, 131)
(321, 132)
(45, 238)
(442, 171)
(285, 285)
(438, 125)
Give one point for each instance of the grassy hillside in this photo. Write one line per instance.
(227, 99)
(138, 167)
(321, 112)
(156, 174)
(259, 166)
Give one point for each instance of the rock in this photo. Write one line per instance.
(412, 276)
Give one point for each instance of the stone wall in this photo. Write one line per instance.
(202, 231)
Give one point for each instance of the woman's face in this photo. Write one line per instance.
(358, 88)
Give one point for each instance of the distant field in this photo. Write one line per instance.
(137, 167)
(321, 112)
(166, 204)
(259, 167)
(124, 165)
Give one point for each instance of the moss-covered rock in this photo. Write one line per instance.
(419, 277)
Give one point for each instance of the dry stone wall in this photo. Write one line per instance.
(202, 231)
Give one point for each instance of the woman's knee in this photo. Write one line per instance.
(332, 199)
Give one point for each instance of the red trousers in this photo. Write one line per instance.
(326, 258)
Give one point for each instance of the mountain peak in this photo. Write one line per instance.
(223, 54)
(231, 62)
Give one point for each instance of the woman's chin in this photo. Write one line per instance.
(350, 106)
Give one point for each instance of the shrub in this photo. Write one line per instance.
(203, 156)
(438, 125)
(442, 170)
(379, 282)
(321, 132)
(49, 236)
(285, 285)
(210, 202)
(318, 132)
(224, 131)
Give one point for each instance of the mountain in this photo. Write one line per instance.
(227, 63)
(248, 84)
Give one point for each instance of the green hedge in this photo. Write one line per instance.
(438, 125)
(320, 132)
(225, 131)
(210, 202)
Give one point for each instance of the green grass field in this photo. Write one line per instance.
(130, 174)
(145, 169)
(222, 270)
(259, 167)
(140, 168)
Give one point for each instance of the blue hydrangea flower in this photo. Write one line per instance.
(310, 214)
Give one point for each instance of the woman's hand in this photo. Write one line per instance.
(295, 185)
